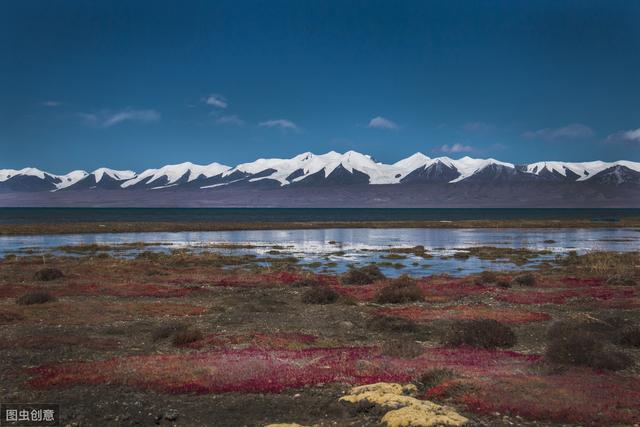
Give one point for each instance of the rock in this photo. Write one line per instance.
(284, 425)
(345, 324)
(401, 408)
(171, 415)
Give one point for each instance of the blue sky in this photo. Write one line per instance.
(137, 84)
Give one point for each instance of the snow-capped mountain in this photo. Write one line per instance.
(417, 177)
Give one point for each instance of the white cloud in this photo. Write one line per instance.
(216, 100)
(106, 119)
(382, 123)
(455, 148)
(230, 120)
(280, 123)
(571, 131)
(51, 103)
(632, 135)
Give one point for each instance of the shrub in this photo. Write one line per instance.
(503, 284)
(584, 348)
(165, 331)
(629, 336)
(362, 275)
(319, 295)
(483, 333)
(401, 290)
(405, 349)
(488, 277)
(35, 298)
(621, 280)
(605, 329)
(434, 377)
(186, 336)
(527, 279)
(47, 274)
(306, 281)
(392, 324)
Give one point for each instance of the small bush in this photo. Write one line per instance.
(584, 348)
(306, 281)
(434, 377)
(629, 336)
(503, 284)
(607, 328)
(621, 280)
(488, 277)
(165, 331)
(405, 349)
(186, 336)
(527, 279)
(362, 275)
(47, 274)
(35, 298)
(319, 295)
(401, 290)
(392, 324)
(483, 333)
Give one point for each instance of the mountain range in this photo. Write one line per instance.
(333, 179)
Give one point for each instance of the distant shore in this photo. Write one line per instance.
(139, 226)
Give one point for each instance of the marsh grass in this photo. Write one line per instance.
(621, 265)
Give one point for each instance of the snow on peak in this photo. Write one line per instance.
(114, 174)
(71, 178)
(412, 162)
(304, 165)
(173, 173)
(5, 174)
(468, 166)
(584, 170)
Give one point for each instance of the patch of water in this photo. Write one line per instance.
(336, 249)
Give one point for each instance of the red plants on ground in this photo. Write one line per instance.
(466, 312)
(579, 396)
(261, 370)
(563, 296)
(500, 380)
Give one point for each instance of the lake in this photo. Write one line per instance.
(336, 249)
(57, 215)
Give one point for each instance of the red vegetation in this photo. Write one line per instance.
(451, 291)
(263, 371)
(563, 296)
(579, 396)
(466, 312)
(359, 293)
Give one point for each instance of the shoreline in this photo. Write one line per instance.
(138, 227)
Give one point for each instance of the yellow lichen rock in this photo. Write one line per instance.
(403, 409)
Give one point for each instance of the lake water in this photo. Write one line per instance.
(344, 247)
(56, 215)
